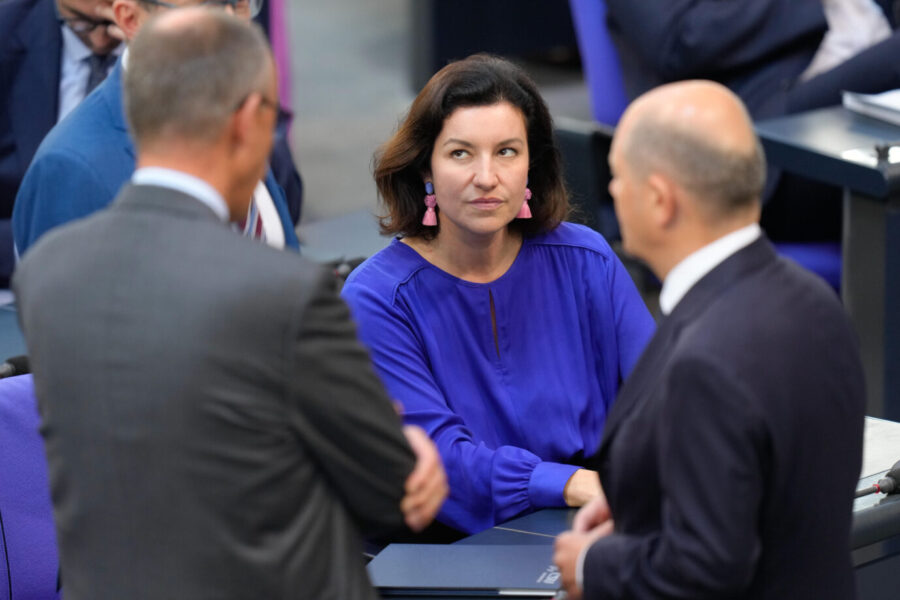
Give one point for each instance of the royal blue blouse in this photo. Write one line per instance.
(512, 407)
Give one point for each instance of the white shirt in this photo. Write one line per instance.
(184, 183)
(74, 71)
(853, 26)
(271, 220)
(696, 265)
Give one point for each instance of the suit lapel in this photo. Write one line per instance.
(111, 93)
(649, 367)
(34, 98)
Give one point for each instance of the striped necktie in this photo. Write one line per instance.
(99, 66)
(253, 225)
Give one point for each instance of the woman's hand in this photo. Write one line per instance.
(582, 487)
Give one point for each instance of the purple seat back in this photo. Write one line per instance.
(822, 258)
(28, 539)
(600, 60)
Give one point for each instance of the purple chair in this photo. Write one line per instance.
(29, 560)
(599, 60)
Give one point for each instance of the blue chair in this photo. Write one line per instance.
(29, 560)
(599, 60)
(603, 74)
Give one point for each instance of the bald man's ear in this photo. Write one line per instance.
(129, 17)
(663, 200)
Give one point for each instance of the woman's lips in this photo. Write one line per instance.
(486, 203)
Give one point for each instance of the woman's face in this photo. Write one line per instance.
(479, 168)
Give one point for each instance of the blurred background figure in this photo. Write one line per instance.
(91, 152)
(52, 54)
(780, 57)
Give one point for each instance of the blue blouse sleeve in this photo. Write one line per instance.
(487, 485)
(634, 324)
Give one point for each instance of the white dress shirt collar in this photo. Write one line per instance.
(184, 183)
(697, 264)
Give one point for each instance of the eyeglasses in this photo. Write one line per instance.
(244, 8)
(84, 24)
(79, 22)
(263, 101)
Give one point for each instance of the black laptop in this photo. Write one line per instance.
(403, 570)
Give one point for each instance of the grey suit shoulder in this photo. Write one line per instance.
(213, 427)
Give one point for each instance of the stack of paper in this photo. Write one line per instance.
(884, 106)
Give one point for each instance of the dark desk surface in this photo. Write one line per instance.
(833, 145)
(539, 528)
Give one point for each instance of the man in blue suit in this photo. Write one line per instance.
(87, 157)
(52, 52)
(750, 385)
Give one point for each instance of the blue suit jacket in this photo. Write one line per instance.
(30, 47)
(83, 162)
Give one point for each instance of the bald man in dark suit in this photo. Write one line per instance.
(751, 384)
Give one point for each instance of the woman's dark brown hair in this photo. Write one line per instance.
(480, 80)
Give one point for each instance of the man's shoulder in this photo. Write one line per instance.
(120, 226)
(774, 311)
(87, 131)
(17, 13)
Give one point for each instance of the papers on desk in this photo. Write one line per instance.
(881, 446)
(884, 106)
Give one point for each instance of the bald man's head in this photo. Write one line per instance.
(698, 134)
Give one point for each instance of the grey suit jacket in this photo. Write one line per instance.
(213, 428)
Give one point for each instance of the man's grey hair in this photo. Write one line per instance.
(724, 180)
(186, 79)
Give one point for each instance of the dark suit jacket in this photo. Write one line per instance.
(30, 48)
(213, 428)
(83, 163)
(731, 455)
(30, 57)
(757, 48)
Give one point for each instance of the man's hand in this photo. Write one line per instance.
(582, 487)
(568, 547)
(593, 514)
(426, 487)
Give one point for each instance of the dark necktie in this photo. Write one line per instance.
(99, 68)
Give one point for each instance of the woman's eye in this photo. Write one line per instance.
(508, 152)
(459, 153)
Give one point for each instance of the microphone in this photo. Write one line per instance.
(16, 365)
(889, 484)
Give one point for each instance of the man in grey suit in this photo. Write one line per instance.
(213, 428)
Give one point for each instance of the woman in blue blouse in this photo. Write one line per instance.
(501, 330)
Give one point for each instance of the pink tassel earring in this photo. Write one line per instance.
(525, 211)
(430, 218)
